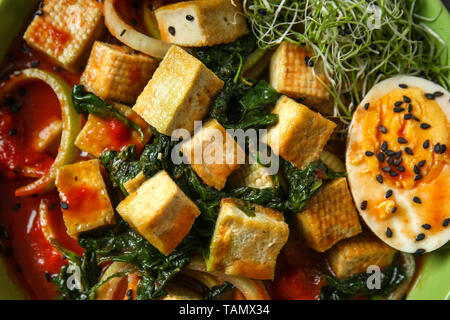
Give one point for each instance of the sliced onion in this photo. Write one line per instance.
(71, 121)
(251, 289)
(332, 161)
(129, 36)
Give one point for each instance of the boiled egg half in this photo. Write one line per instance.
(398, 163)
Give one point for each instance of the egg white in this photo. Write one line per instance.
(364, 187)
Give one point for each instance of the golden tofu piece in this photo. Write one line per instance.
(66, 30)
(160, 212)
(291, 75)
(179, 93)
(84, 198)
(99, 135)
(202, 22)
(329, 217)
(300, 134)
(246, 245)
(117, 73)
(218, 154)
(253, 175)
(356, 254)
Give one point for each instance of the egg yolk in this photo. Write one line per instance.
(406, 135)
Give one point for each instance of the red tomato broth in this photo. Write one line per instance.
(31, 254)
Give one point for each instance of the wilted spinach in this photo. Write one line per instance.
(356, 285)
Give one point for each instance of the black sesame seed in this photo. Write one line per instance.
(390, 161)
(13, 132)
(129, 292)
(415, 118)
(407, 116)
(426, 144)
(397, 162)
(401, 169)
(366, 106)
(381, 156)
(402, 140)
(390, 153)
(420, 237)
(398, 103)
(384, 146)
(47, 276)
(410, 107)
(426, 226)
(386, 169)
(429, 96)
(388, 194)
(306, 60)
(388, 232)
(191, 18)
(35, 64)
(380, 178)
(421, 163)
(123, 32)
(311, 63)
(446, 222)
(369, 153)
(437, 148)
(416, 169)
(172, 30)
(418, 177)
(393, 173)
(419, 252)
(394, 209)
(383, 129)
(438, 94)
(16, 206)
(398, 154)
(409, 151)
(403, 86)
(406, 99)
(425, 126)
(22, 91)
(443, 148)
(417, 200)
(64, 205)
(399, 109)
(363, 205)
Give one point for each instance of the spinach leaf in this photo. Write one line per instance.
(216, 292)
(122, 243)
(85, 102)
(121, 166)
(356, 285)
(239, 104)
(77, 279)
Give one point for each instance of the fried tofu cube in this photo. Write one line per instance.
(160, 212)
(291, 75)
(202, 22)
(217, 154)
(99, 135)
(354, 255)
(300, 134)
(329, 217)
(84, 198)
(66, 30)
(179, 93)
(247, 245)
(253, 175)
(117, 73)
